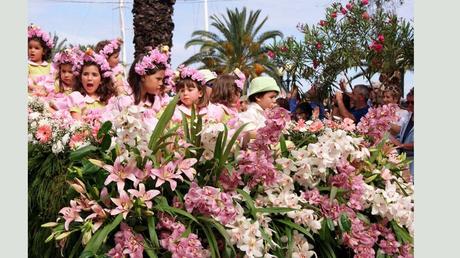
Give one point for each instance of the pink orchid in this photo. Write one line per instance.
(166, 174)
(118, 173)
(124, 204)
(44, 133)
(185, 166)
(144, 196)
(71, 213)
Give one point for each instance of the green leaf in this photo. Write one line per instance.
(106, 142)
(275, 210)
(344, 223)
(232, 141)
(212, 241)
(290, 242)
(106, 126)
(371, 178)
(249, 202)
(153, 232)
(150, 252)
(168, 208)
(221, 230)
(363, 217)
(330, 224)
(163, 122)
(401, 233)
(283, 147)
(96, 241)
(326, 249)
(295, 226)
(380, 254)
(333, 193)
(82, 152)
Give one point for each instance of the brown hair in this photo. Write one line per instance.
(101, 44)
(105, 90)
(134, 80)
(58, 78)
(189, 83)
(46, 49)
(224, 90)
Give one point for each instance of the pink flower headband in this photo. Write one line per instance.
(192, 73)
(100, 60)
(67, 56)
(150, 61)
(241, 78)
(35, 31)
(111, 47)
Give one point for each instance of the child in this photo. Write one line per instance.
(191, 88)
(225, 98)
(262, 95)
(94, 86)
(64, 65)
(111, 51)
(39, 51)
(392, 95)
(210, 78)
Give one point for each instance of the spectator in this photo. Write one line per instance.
(392, 95)
(406, 135)
(303, 111)
(314, 100)
(283, 102)
(359, 98)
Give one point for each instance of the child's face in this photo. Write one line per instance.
(36, 51)
(152, 83)
(66, 74)
(388, 98)
(113, 60)
(267, 100)
(91, 79)
(190, 95)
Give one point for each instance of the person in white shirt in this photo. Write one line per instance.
(262, 95)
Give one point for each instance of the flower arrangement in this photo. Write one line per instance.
(151, 192)
(90, 56)
(111, 47)
(35, 31)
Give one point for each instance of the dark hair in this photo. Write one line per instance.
(346, 101)
(105, 90)
(134, 80)
(254, 97)
(224, 90)
(189, 83)
(305, 108)
(58, 78)
(283, 102)
(101, 44)
(46, 49)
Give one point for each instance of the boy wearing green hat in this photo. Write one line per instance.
(262, 95)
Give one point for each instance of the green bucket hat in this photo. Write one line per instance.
(262, 84)
(208, 74)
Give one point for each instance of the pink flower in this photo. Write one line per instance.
(316, 126)
(364, 2)
(43, 133)
(144, 196)
(271, 54)
(380, 38)
(166, 174)
(71, 213)
(365, 16)
(124, 204)
(98, 216)
(343, 11)
(127, 243)
(118, 173)
(349, 6)
(185, 166)
(318, 45)
(322, 23)
(334, 15)
(348, 125)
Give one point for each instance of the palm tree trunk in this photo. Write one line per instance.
(153, 23)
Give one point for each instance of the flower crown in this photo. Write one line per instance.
(149, 61)
(111, 47)
(35, 31)
(192, 73)
(241, 78)
(67, 56)
(90, 56)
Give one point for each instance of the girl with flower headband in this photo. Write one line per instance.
(94, 86)
(64, 66)
(148, 76)
(191, 87)
(225, 98)
(39, 52)
(111, 51)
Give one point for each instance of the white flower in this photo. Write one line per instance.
(57, 147)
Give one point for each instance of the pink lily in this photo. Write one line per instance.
(124, 204)
(71, 213)
(166, 173)
(98, 216)
(143, 195)
(185, 166)
(118, 173)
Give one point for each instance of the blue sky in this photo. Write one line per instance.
(87, 23)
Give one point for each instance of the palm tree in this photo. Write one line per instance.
(240, 44)
(153, 23)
